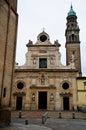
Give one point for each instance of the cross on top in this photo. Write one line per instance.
(43, 29)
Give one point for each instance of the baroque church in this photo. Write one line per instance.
(43, 82)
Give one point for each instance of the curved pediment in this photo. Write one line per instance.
(43, 39)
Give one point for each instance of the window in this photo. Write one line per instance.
(65, 86)
(73, 37)
(20, 85)
(4, 92)
(84, 85)
(43, 38)
(43, 63)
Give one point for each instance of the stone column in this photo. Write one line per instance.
(74, 86)
(58, 101)
(27, 103)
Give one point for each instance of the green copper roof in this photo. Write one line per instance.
(71, 12)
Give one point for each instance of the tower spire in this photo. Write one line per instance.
(71, 6)
(72, 39)
(71, 12)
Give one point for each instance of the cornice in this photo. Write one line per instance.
(46, 70)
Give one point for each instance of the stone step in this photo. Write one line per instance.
(28, 114)
(51, 114)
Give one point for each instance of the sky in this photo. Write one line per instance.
(34, 15)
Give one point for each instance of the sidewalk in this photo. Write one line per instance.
(17, 126)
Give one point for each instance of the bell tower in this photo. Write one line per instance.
(72, 40)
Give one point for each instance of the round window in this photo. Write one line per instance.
(65, 86)
(43, 38)
(20, 85)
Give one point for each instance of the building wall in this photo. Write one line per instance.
(81, 91)
(13, 4)
(52, 85)
(47, 79)
(76, 48)
(8, 32)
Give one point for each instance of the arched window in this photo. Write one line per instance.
(73, 37)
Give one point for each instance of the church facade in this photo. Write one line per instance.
(43, 82)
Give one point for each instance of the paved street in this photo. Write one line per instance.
(66, 124)
(53, 122)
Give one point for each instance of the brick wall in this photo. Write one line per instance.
(8, 31)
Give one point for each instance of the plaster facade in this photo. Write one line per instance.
(81, 83)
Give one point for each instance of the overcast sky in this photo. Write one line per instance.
(34, 15)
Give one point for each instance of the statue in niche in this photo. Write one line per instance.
(72, 58)
(51, 60)
(34, 61)
(33, 97)
(42, 80)
(51, 97)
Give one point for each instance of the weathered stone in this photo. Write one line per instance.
(5, 116)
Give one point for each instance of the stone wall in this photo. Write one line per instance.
(13, 4)
(8, 32)
(5, 116)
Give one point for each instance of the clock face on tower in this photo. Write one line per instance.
(43, 38)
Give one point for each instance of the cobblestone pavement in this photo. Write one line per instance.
(53, 122)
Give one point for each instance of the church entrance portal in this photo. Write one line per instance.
(19, 103)
(42, 100)
(65, 103)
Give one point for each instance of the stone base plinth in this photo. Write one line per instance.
(5, 116)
